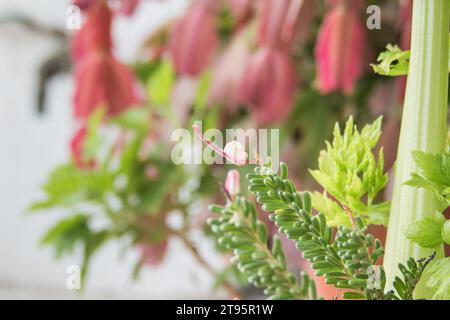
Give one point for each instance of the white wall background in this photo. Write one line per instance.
(31, 145)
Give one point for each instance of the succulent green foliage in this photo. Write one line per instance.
(428, 232)
(347, 261)
(433, 175)
(238, 229)
(392, 62)
(411, 274)
(438, 278)
(349, 171)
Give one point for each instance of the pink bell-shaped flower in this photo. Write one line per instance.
(102, 80)
(99, 77)
(194, 39)
(340, 48)
(228, 72)
(269, 85)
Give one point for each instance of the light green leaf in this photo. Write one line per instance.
(65, 234)
(438, 275)
(137, 118)
(203, 90)
(160, 83)
(446, 232)
(392, 62)
(426, 232)
(334, 213)
(433, 175)
(349, 171)
(93, 140)
(68, 185)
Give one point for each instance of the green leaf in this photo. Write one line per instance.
(446, 232)
(438, 275)
(154, 191)
(409, 284)
(349, 171)
(335, 214)
(93, 141)
(203, 90)
(68, 233)
(238, 229)
(65, 234)
(92, 243)
(433, 175)
(68, 185)
(342, 257)
(137, 118)
(426, 232)
(392, 62)
(160, 83)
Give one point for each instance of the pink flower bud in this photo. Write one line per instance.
(233, 183)
(240, 9)
(339, 48)
(194, 40)
(269, 85)
(234, 151)
(228, 71)
(273, 17)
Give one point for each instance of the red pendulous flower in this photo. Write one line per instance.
(227, 73)
(95, 34)
(272, 21)
(101, 79)
(339, 48)
(126, 7)
(269, 84)
(194, 39)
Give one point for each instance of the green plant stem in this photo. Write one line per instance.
(423, 128)
(192, 248)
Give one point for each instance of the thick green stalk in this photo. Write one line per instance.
(423, 127)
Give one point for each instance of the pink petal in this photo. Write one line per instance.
(233, 183)
(193, 40)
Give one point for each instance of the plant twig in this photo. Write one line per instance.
(198, 257)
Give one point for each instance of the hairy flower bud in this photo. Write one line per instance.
(233, 183)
